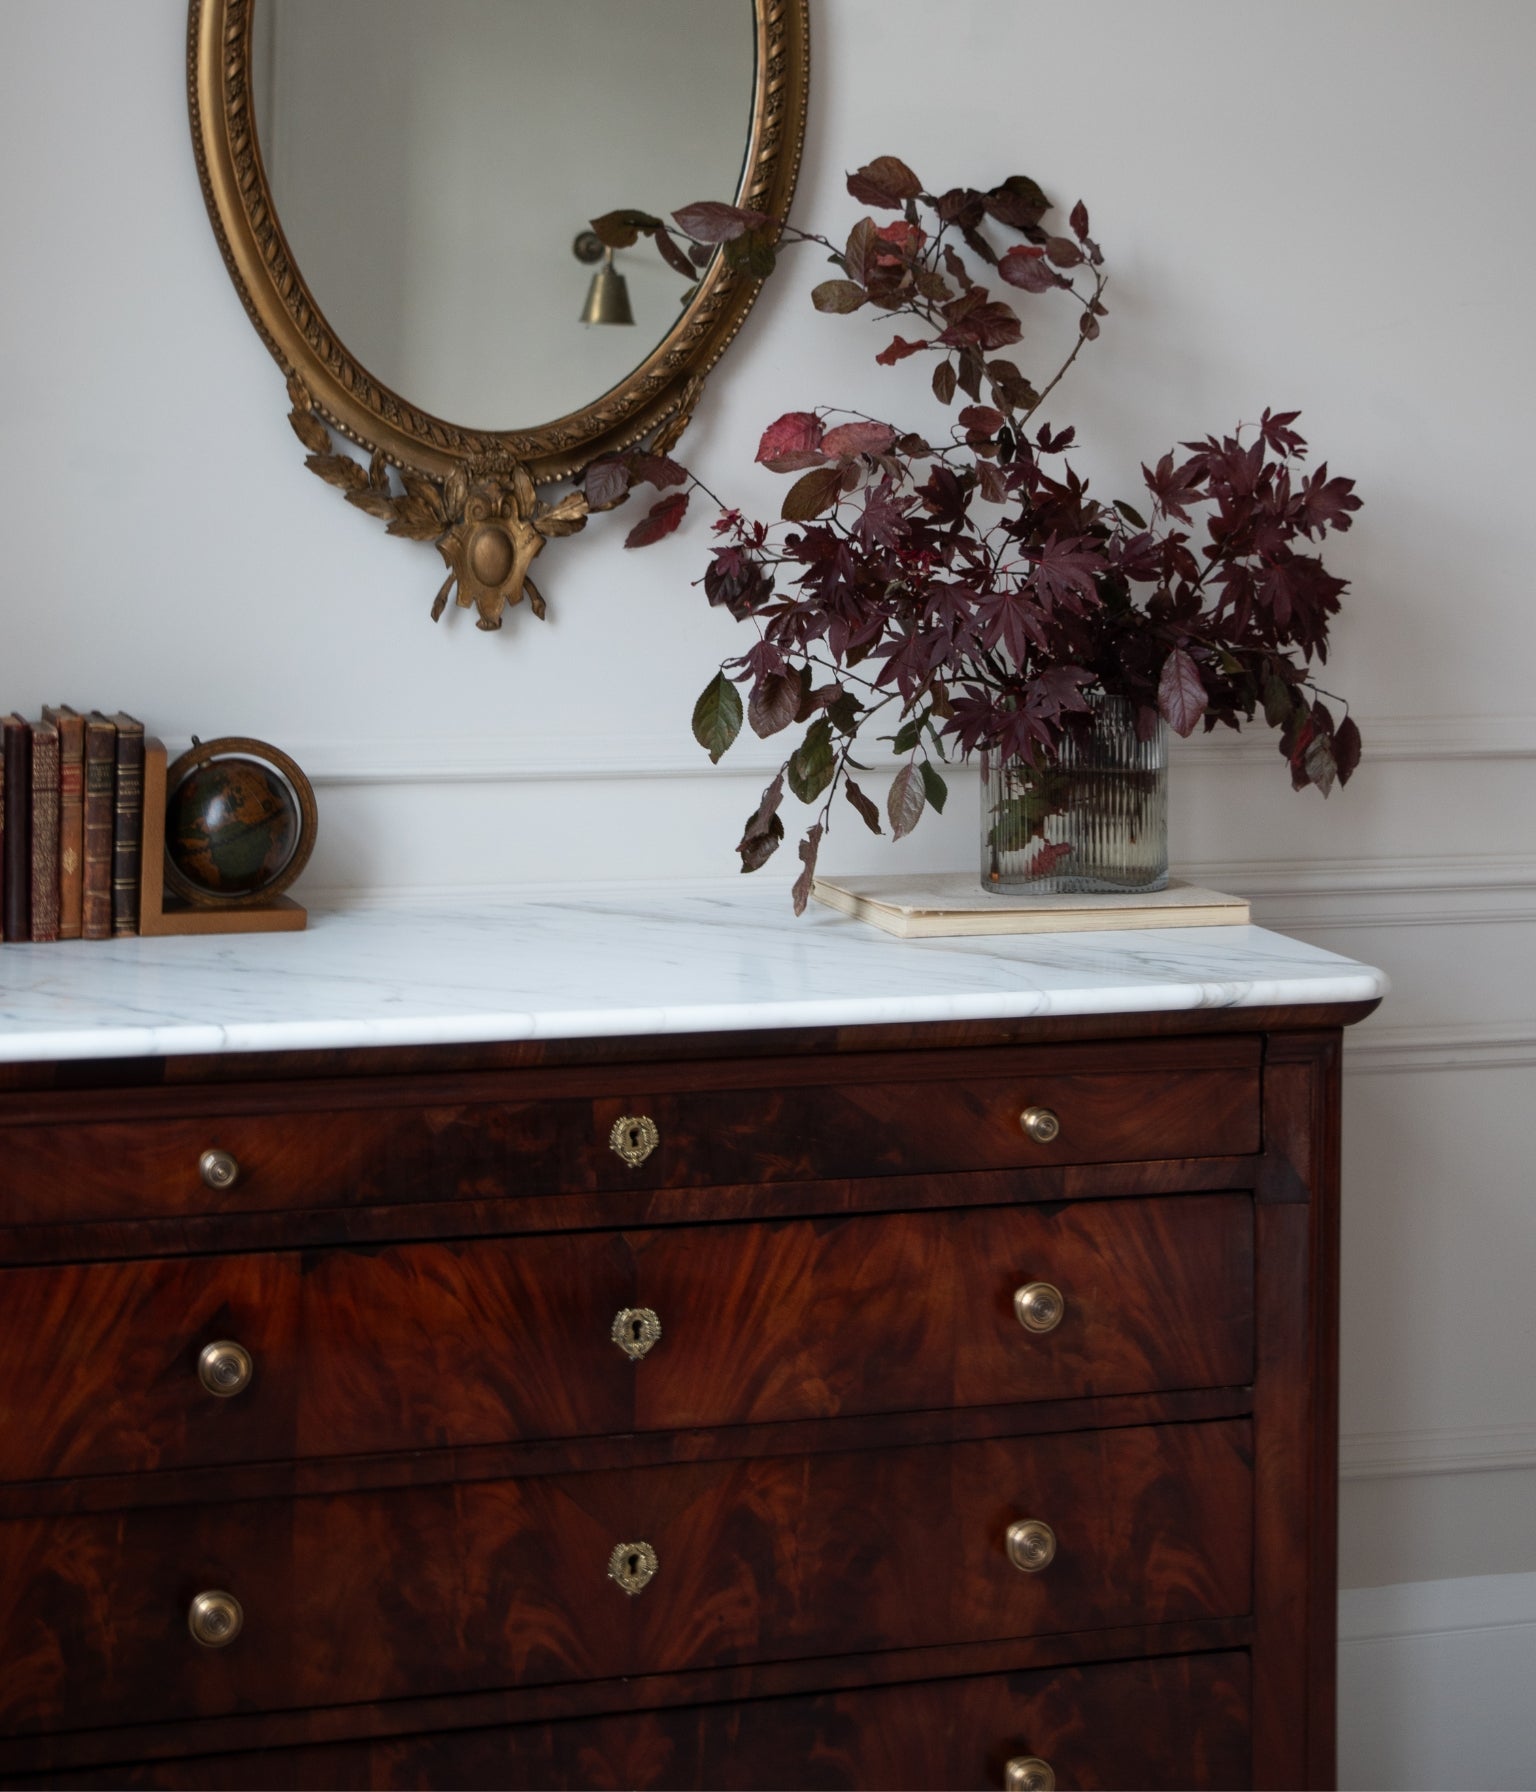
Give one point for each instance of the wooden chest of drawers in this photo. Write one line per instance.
(945, 1407)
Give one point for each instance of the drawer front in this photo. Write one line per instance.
(352, 1598)
(1179, 1722)
(431, 1345)
(1180, 1100)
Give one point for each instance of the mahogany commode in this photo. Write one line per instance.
(945, 1404)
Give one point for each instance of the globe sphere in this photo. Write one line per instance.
(232, 827)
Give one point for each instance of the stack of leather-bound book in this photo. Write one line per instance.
(71, 825)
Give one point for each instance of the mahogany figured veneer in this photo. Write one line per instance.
(443, 1448)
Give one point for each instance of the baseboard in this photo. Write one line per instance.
(1378, 1455)
(1435, 1684)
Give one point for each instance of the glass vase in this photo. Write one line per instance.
(1095, 822)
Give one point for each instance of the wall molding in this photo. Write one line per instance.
(1434, 1683)
(1454, 890)
(501, 758)
(1387, 1455)
(1380, 1051)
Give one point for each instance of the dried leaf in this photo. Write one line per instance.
(808, 849)
(859, 438)
(764, 830)
(944, 381)
(711, 222)
(606, 482)
(863, 246)
(887, 181)
(795, 433)
(658, 470)
(717, 716)
(905, 801)
(812, 494)
(673, 254)
(868, 813)
(1025, 266)
(661, 519)
(813, 762)
(898, 350)
(1346, 748)
(621, 229)
(1181, 694)
(774, 704)
(839, 296)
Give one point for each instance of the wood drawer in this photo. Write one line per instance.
(438, 1590)
(299, 1147)
(1179, 1722)
(429, 1345)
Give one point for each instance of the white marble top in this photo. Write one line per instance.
(609, 962)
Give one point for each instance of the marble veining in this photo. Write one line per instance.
(611, 962)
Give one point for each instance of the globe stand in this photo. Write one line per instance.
(160, 913)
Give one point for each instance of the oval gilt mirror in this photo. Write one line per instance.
(403, 194)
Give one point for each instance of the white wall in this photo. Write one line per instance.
(1321, 205)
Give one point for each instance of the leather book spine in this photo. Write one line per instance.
(17, 898)
(45, 832)
(71, 729)
(127, 826)
(100, 791)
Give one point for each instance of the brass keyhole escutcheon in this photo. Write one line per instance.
(635, 1330)
(634, 1137)
(633, 1566)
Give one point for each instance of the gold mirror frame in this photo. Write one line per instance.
(471, 492)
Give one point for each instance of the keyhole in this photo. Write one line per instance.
(634, 1564)
(634, 1138)
(636, 1328)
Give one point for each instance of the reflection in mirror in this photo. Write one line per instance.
(433, 161)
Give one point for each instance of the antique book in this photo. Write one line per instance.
(100, 787)
(127, 824)
(16, 899)
(71, 727)
(935, 904)
(45, 832)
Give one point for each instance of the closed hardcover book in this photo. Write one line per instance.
(45, 832)
(127, 825)
(100, 790)
(71, 727)
(16, 901)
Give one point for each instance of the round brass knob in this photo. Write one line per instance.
(1039, 1306)
(1031, 1545)
(218, 1169)
(225, 1368)
(1040, 1124)
(1028, 1773)
(215, 1619)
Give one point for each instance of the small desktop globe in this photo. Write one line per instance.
(232, 827)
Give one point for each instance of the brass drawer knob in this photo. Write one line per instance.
(634, 1137)
(225, 1368)
(1031, 1545)
(215, 1618)
(1028, 1773)
(218, 1169)
(1039, 1306)
(633, 1566)
(1040, 1124)
(635, 1330)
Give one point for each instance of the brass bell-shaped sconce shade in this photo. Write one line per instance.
(608, 296)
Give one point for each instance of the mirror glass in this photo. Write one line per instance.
(433, 161)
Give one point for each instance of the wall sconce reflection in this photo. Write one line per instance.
(608, 295)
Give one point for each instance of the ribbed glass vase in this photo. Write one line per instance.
(1094, 822)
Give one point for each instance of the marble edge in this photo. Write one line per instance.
(193, 1038)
